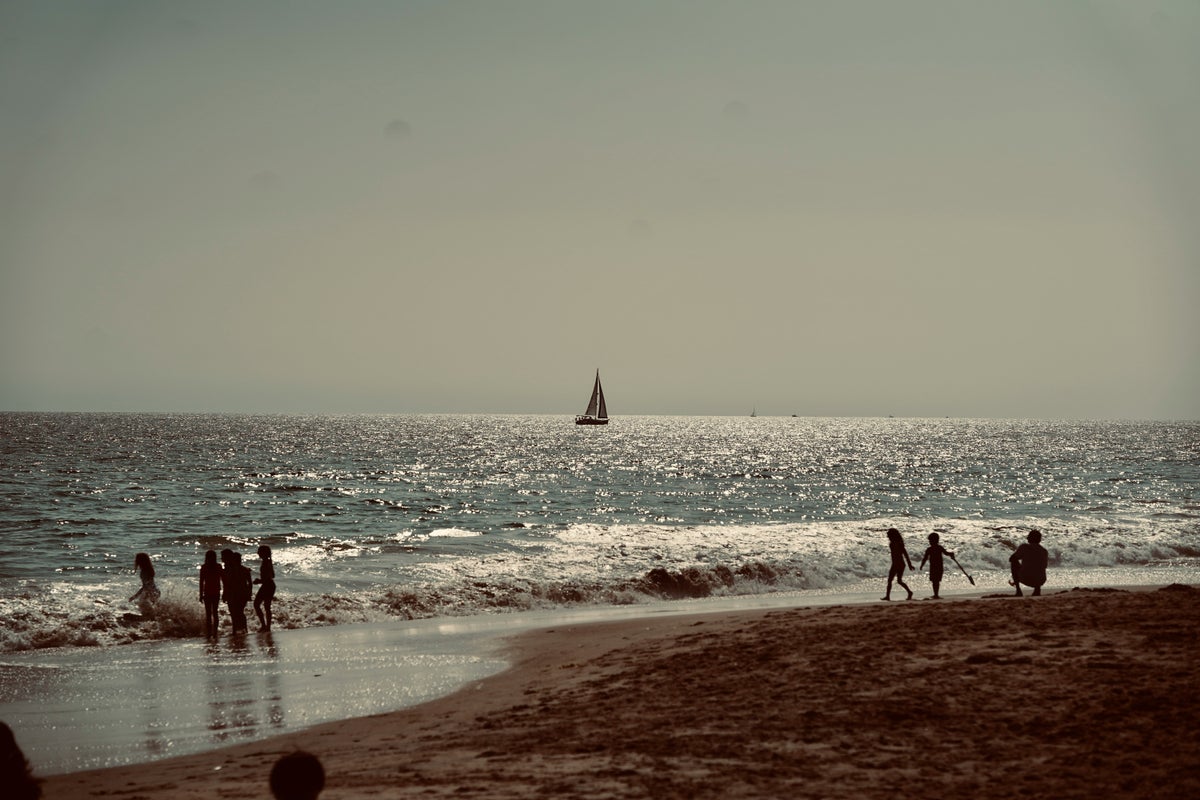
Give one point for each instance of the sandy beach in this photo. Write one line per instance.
(1081, 693)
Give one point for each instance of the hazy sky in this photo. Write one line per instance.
(823, 208)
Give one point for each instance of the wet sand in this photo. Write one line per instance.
(1083, 693)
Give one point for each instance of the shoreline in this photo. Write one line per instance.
(81, 709)
(1059, 695)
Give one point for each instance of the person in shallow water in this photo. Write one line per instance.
(297, 776)
(266, 593)
(238, 588)
(149, 592)
(210, 592)
(934, 554)
(899, 559)
(1029, 564)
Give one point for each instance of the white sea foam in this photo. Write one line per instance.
(593, 564)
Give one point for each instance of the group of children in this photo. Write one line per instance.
(233, 583)
(1028, 564)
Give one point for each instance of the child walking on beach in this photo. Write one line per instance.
(266, 577)
(934, 554)
(210, 592)
(899, 558)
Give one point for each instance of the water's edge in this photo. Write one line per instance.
(82, 708)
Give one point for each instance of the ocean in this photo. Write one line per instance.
(375, 518)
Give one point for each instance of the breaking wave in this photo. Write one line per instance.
(619, 565)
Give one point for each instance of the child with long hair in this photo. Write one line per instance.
(266, 577)
(899, 558)
(149, 592)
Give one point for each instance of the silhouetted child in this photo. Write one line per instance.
(238, 588)
(297, 776)
(899, 558)
(15, 775)
(1029, 564)
(210, 592)
(934, 554)
(149, 592)
(266, 577)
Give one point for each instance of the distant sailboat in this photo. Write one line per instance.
(754, 411)
(597, 411)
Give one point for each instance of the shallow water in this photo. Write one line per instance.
(82, 708)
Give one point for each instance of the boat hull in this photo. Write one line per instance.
(586, 420)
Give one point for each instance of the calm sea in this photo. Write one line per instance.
(376, 517)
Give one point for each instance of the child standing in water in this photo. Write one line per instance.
(266, 576)
(899, 559)
(210, 592)
(934, 555)
(236, 579)
(149, 592)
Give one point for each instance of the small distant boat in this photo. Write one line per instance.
(754, 412)
(597, 411)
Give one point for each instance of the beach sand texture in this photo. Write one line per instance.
(1084, 693)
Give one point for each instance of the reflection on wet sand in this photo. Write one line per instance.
(154, 739)
(244, 687)
(79, 708)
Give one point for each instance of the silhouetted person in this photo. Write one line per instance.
(266, 593)
(210, 592)
(1029, 564)
(149, 592)
(899, 559)
(16, 777)
(934, 554)
(238, 588)
(297, 776)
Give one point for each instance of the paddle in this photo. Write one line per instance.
(964, 572)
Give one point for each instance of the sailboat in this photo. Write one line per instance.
(597, 412)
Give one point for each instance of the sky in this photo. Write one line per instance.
(923, 208)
